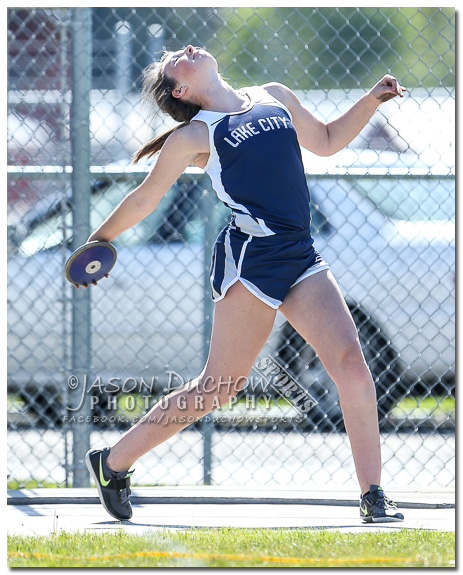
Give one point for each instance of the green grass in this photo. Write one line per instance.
(231, 547)
(447, 403)
(30, 483)
(437, 409)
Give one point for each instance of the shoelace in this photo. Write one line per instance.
(123, 489)
(124, 495)
(384, 502)
(389, 502)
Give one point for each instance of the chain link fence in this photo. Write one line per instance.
(84, 364)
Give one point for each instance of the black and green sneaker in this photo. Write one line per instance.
(375, 507)
(113, 487)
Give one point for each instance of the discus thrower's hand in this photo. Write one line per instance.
(93, 282)
(387, 88)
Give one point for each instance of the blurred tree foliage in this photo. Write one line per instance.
(337, 47)
(326, 47)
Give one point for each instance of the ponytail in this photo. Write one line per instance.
(157, 93)
(155, 145)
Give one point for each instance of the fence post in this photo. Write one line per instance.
(80, 142)
(207, 426)
(124, 57)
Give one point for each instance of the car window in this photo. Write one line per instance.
(179, 217)
(412, 199)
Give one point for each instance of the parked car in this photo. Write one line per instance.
(389, 242)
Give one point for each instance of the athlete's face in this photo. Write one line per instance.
(188, 66)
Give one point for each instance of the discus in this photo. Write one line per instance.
(90, 263)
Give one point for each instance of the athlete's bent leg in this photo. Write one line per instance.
(316, 309)
(241, 326)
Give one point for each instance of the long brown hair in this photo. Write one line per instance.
(157, 93)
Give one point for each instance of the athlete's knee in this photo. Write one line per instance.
(351, 353)
(348, 363)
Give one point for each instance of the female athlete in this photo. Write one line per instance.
(248, 141)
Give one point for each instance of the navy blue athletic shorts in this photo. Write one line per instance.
(267, 266)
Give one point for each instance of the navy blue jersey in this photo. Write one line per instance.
(256, 168)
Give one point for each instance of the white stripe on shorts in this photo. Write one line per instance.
(311, 271)
(231, 270)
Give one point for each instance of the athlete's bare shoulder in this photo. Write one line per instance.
(194, 132)
(280, 92)
(193, 136)
(284, 95)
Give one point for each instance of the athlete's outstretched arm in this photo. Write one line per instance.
(180, 150)
(325, 139)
